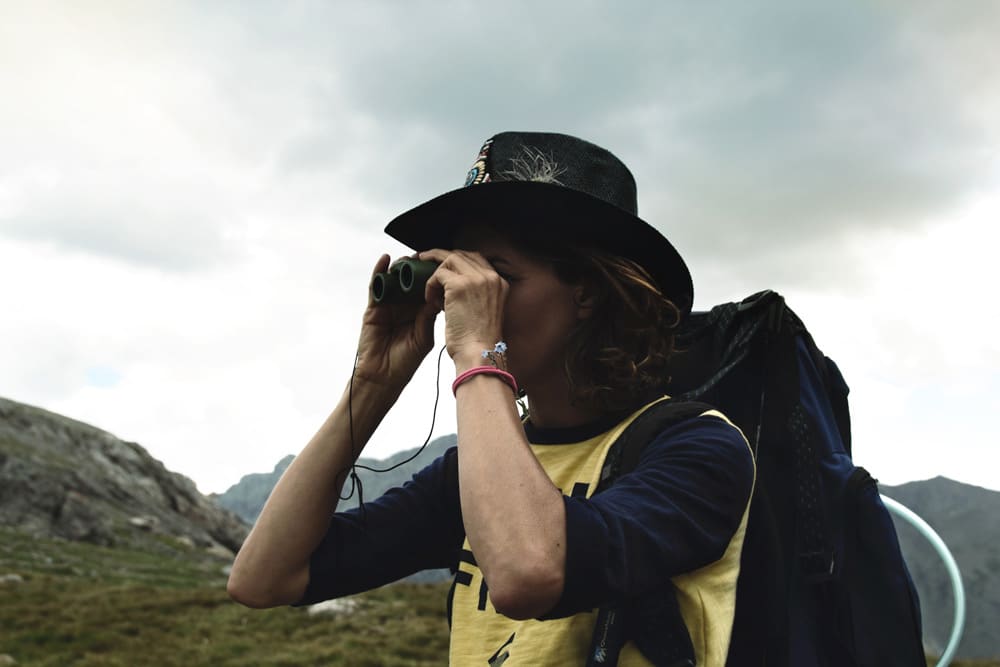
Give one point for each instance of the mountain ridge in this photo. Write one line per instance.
(247, 496)
(967, 519)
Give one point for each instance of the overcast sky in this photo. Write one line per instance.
(192, 197)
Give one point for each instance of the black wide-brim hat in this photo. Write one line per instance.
(554, 187)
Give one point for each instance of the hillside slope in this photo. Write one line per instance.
(65, 479)
(968, 519)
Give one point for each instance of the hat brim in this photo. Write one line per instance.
(548, 211)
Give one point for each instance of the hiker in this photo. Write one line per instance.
(552, 289)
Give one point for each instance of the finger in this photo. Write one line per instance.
(380, 267)
(470, 263)
(466, 263)
(434, 254)
(434, 288)
(441, 256)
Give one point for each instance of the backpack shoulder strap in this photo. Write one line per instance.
(673, 646)
(624, 454)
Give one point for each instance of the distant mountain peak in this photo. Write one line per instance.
(247, 497)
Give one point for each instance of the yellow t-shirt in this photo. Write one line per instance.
(482, 637)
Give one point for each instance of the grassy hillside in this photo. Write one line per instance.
(80, 604)
(86, 605)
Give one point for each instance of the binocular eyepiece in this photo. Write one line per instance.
(403, 282)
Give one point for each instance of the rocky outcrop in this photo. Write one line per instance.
(967, 518)
(63, 478)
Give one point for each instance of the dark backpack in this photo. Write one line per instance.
(822, 579)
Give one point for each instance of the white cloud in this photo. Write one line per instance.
(911, 332)
(192, 197)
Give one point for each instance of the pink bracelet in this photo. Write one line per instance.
(488, 370)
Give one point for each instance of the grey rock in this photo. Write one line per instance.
(334, 607)
(144, 522)
(65, 479)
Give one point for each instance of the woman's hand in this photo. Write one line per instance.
(395, 338)
(473, 297)
(272, 567)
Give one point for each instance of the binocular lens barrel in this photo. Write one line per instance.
(403, 282)
(380, 286)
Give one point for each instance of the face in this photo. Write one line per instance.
(540, 312)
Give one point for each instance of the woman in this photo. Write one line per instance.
(551, 285)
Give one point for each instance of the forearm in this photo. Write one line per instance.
(272, 567)
(514, 517)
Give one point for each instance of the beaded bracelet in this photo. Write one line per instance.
(484, 370)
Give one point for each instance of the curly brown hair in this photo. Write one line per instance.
(616, 358)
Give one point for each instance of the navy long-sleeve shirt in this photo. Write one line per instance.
(676, 512)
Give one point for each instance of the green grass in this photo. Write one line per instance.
(84, 605)
(80, 604)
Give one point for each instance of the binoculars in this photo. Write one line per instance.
(403, 282)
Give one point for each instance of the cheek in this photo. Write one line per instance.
(537, 324)
(545, 319)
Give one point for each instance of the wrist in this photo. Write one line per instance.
(492, 371)
(377, 393)
(484, 361)
(467, 359)
(481, 354)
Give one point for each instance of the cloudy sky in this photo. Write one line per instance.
(192, 196)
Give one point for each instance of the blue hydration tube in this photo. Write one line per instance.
(958, 625)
